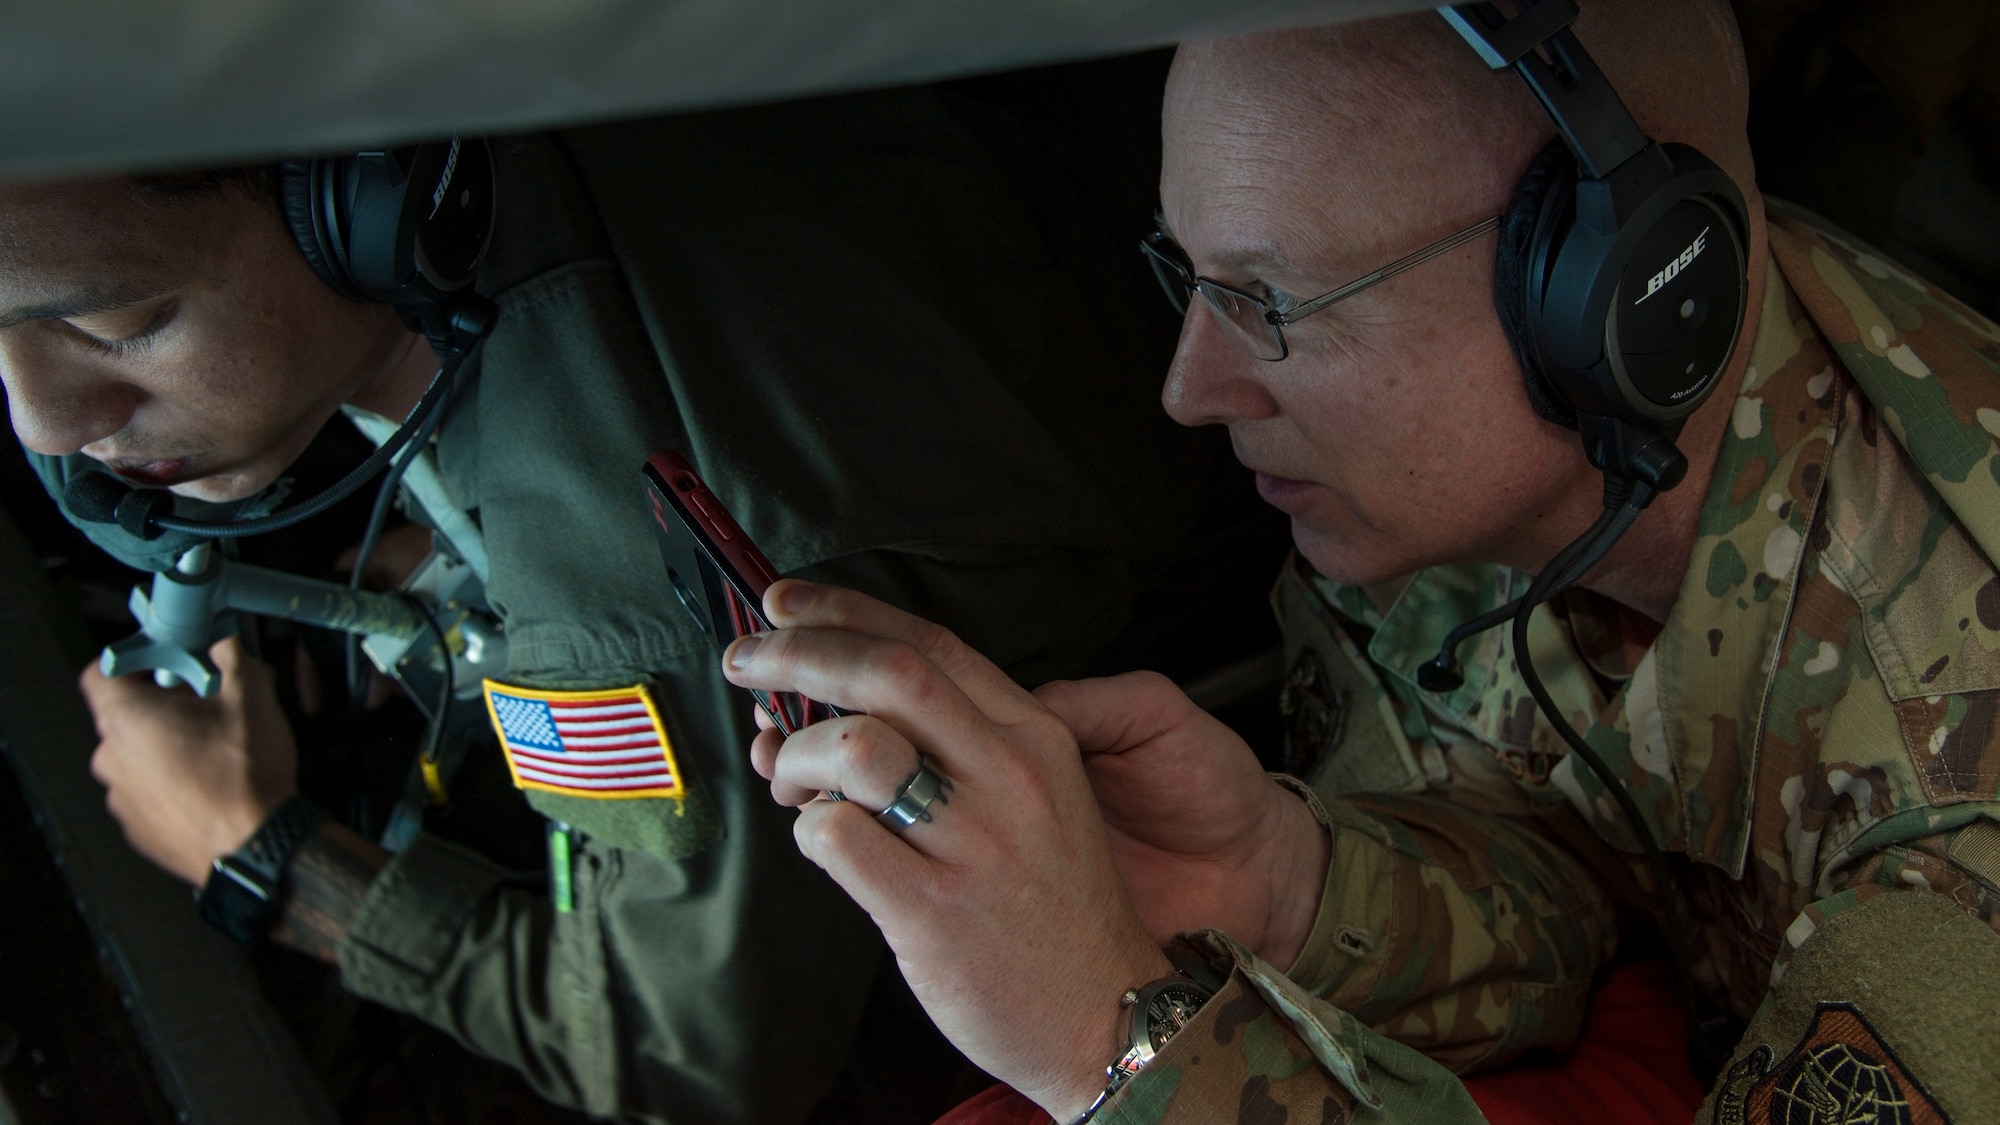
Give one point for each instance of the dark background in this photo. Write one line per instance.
(1881, 115)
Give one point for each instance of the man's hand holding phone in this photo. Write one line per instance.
(1004, 910)
(1203, 838)
(716, 572)
(1018, 917)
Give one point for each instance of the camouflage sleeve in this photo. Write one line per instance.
(1468, 935)
(1265, 1050)
(1446, 939)
(1880, 1006)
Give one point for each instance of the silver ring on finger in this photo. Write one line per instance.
(913, 801)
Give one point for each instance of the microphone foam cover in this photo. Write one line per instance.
(94, 496)
(140, 508)
(1437, 675)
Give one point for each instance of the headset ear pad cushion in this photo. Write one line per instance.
(1553, 169)
(296, 190)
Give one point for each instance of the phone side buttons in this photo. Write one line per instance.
(716, 515)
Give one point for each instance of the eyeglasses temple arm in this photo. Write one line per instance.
(1451, 242)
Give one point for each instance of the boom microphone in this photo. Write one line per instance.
(103, 498)
(95, 497)
(147, 513)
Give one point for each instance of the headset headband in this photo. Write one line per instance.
(1592, 118)
(1620, 277)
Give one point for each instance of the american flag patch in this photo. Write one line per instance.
(601, 744)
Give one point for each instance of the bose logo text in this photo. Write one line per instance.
(451, 165)
(1674, 268)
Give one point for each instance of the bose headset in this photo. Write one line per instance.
(1622, 282)
(407, 227)
(1621, 278)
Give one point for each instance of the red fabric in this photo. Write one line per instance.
(996, 1105)
(1629, 1068)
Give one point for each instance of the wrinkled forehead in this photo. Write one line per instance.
(95, 233)
(1367, 135)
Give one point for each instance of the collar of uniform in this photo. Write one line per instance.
(1681, 726)
(1429, 605)
(1404, 621)
(1718, 649)
(1573, 640)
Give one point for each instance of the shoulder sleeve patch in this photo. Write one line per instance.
(1840, 1072)
(1884, 1013)
(602, 745)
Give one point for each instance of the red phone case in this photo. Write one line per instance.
(694, 528)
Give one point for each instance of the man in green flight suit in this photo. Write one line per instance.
(1791, 663)
(884, 343)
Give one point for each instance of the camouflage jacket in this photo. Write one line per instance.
(1812, 735)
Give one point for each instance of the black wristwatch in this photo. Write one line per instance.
(240, 897)
(1159, 1011)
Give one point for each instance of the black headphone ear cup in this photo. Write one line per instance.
(298, 194)
(1521, 231)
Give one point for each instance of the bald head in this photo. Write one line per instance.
(1398, 433)
(1402, 108)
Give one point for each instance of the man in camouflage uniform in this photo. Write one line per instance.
(1812, 727)
(1792, 662)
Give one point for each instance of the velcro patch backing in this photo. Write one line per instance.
(1885, 1013)
(1976, 848)
(602, 745)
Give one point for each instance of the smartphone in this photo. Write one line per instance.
(718, 575)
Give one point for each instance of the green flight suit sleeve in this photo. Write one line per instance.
(442, 935)
(672, 984)
(619, 1007)
(612, 1008)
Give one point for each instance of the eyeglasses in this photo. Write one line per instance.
(1259, 324)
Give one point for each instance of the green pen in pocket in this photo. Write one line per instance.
(560, 888)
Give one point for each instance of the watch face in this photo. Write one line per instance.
(1169, 1009)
